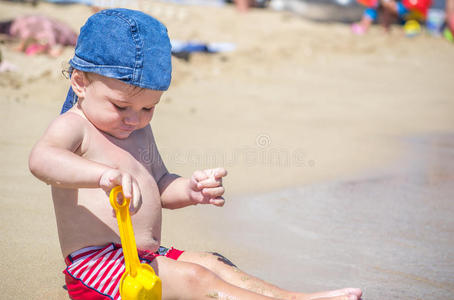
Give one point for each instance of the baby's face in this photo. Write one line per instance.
(118, 108)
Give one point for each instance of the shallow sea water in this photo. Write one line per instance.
(390, 233)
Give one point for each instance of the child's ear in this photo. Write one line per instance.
(79, 82)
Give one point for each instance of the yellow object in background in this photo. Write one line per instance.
(412, 28)
(139, 280)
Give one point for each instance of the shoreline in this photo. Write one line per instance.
(381, 231)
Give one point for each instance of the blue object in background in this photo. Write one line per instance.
(194, 46)
(435, 20)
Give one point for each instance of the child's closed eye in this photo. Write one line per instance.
(148, 108)
(119, 107)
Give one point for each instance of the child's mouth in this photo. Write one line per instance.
(127, 129)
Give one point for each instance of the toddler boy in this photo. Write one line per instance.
(121, 67)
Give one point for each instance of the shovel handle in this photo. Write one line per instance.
(128, 241)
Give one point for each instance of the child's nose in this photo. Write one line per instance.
(132, 119)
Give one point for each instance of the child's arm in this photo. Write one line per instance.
(54, 161)
(204, 187)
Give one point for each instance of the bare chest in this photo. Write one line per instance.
(130, 155)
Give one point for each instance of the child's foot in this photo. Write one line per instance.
(358, 29)
(348, 293)
(362, 26)
(342, 294)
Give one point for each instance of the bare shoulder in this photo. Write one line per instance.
(66, 131)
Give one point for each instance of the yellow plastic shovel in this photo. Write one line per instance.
(139, 280)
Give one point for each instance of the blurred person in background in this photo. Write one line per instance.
(449, 30)
(391, 9)
(39, 34)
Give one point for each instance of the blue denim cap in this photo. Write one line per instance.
(123, 44)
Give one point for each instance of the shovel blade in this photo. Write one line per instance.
(144, 286)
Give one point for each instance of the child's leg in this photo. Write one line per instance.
(184, 280)
(450, 14)
(369, 16)
(395, 8)
(228, 272)
(387, 19)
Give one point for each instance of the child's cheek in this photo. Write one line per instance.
(146, 119)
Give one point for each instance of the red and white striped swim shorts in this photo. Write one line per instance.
(94, 273)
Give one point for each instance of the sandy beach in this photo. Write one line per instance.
(339, 148)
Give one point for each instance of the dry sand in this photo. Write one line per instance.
(298, 103)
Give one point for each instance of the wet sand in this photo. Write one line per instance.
(338, 150)
(388, 231)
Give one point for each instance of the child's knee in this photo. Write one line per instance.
(197, 275)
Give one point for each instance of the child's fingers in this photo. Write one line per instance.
(213, 192)
(136, 201)
(218, 201)
(199, 175)
(109, 179)
(126, 184)
(214, 179)
(219, 173)
(208, 183)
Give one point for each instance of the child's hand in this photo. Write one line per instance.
(206, 186)
(113, 177)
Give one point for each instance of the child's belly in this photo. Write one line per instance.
(86, 219)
